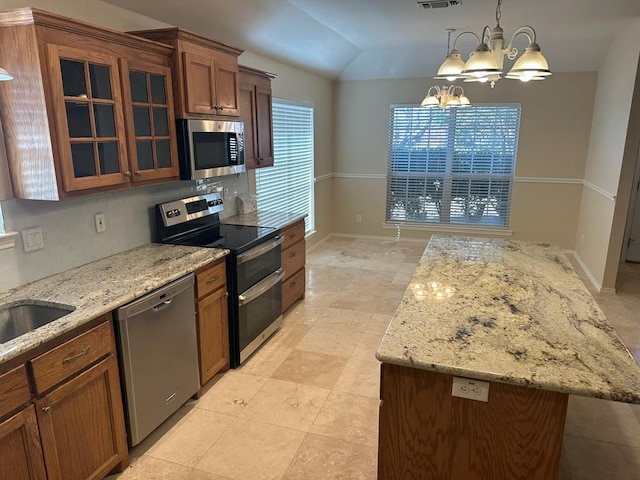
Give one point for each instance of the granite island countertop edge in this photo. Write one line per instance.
(262, 218)
(102, 286)
(531, 325)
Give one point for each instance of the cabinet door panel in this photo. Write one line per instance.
(264, 126)
(20, 451)
(213, 334)
(199, 82)
(87, 106)
(227, 88)
(82, 425)
(150, 121)
(248, 117)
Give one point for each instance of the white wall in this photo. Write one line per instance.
(68, 226)
(613, 145)
(552, 148)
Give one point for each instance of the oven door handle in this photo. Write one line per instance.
(259, 288)
(259, 250)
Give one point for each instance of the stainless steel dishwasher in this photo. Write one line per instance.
(158, 355)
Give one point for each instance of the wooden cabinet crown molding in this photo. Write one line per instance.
(258, 73)
(34, 16)
(174, 34)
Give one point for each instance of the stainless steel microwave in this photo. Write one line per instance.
(210, 148)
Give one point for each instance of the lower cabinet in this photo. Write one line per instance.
(20, 452)
(213, 320)
(81, 424)
(293, 260)
(74, 428)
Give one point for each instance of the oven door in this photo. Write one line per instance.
(259, 313)
(258, 263)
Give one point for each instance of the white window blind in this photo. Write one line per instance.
(452, 166)
(287, 186)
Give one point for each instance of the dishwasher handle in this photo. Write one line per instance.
(163, 305)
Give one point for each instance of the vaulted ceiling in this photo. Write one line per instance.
(363, 39)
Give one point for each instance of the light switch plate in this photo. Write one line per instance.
(471, 389)
(32, 239)
(101, 226)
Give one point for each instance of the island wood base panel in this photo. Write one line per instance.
(427, 434)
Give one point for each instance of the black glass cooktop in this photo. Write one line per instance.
(237, 238)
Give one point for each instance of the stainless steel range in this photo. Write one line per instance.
(254, 274)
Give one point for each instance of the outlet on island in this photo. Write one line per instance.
(471, 389)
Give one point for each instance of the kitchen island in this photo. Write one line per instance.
(509, 313)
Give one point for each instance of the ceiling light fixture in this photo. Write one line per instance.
(4, 75)
(485, 64)
(445, 97)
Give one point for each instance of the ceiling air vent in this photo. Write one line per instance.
(430, 4)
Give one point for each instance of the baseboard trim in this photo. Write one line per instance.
(379, 237)
(590, 275)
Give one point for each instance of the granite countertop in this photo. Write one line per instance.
(519, 314)
(102, 286)
(263, 218)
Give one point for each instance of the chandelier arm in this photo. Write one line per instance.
(437, 89)
(486, 34)
(510, 51)
(466, 33)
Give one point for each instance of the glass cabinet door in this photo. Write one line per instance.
(89, 118)
(150, 121)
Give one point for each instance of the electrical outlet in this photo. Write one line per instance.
(358, 218)
(101, 225)
(471, 389)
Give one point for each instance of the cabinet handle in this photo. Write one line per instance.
(82, 353)
(213, 280)
(138, 172)
(221, 108)
(127, 174)
(226, 294)
(46, 410)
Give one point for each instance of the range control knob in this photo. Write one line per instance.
(170, 214)
(177, 212)
(211, 203)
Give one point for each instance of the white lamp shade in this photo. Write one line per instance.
(464, 101)
(481, 63)
(452, 67)
(430, 101)
(531, 64)
(4, 75)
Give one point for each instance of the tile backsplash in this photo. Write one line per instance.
(69, 231)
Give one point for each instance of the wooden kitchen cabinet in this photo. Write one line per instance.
(206, 72)
(73, 422)
(213, 320)
(70, 123)
(293, 261)
(82, 425)
(255, 112)
(20, 450)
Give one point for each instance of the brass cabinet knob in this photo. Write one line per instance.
(127, 174)
(46, 410)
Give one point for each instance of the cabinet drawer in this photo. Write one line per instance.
(54, 366)
(293, 289)
(293, 259)
(293, 234)
(211, 279)
(14, 389)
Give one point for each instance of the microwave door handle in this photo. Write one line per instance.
(259, 250)
(259, 288)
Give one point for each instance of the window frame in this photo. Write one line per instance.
(441, 169)
(278, 157)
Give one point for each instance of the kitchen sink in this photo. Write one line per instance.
(16, 320)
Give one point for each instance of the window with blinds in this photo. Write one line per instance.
(287, 186)
(452, 166)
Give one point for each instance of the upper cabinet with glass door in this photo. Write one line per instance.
(90, 109)
(207, 72)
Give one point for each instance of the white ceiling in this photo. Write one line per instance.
(364, 39)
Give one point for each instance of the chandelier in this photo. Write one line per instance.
(485, 64)
(445, 97)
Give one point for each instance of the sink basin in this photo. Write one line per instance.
(19, 319)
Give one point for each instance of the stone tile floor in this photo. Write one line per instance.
(305, 406)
